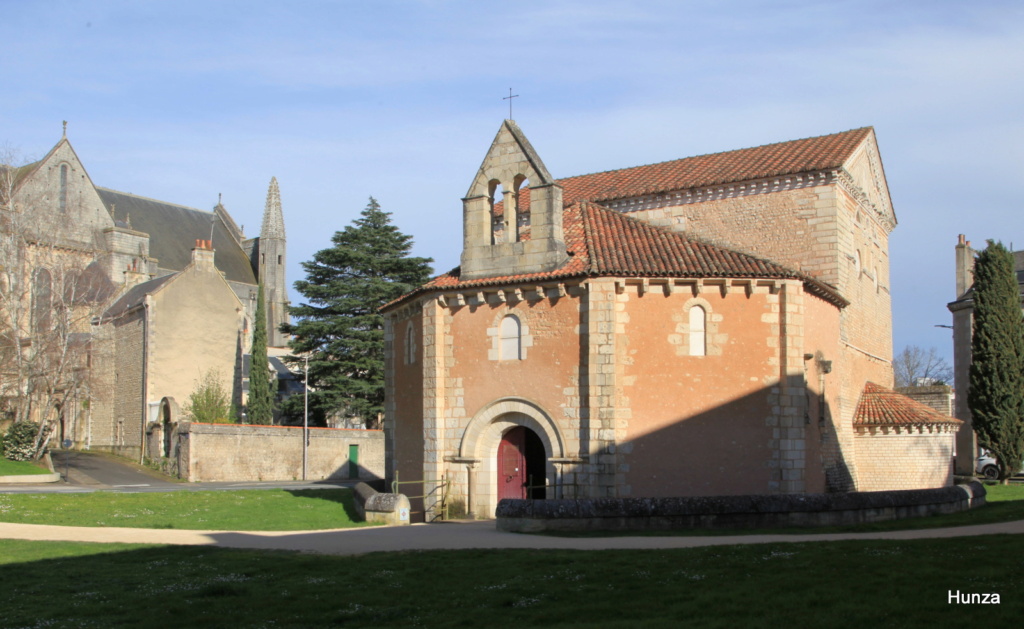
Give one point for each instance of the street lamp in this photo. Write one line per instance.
(305, 413)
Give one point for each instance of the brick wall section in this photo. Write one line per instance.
(229, 452)
(906, 459)
(939, 397)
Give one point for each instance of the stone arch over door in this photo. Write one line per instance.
(482, 437)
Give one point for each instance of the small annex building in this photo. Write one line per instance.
(705, 326)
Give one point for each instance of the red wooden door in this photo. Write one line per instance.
(512, 464)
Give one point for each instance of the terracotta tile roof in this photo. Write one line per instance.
(879, 406)
(824, 152)
(603, 242)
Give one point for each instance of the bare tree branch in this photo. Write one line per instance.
(915, 367)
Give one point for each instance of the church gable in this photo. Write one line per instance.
(866, 181)
(497, 243)
(59, 192)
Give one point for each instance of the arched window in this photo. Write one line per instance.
(510, 347)
(63, 188)
(522, 200)
(42, 299)
(698, 342)
(497, 212)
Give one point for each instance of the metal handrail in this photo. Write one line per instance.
(443, 484)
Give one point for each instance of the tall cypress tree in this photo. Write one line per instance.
(261, 393)
(996, 396)
(340, 328)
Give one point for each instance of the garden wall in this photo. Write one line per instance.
(232, 452)
(734, 512)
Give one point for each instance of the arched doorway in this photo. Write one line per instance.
(521, 464)
(540, 445)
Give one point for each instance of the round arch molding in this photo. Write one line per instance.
(480, 437)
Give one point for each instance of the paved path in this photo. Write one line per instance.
(446, 536)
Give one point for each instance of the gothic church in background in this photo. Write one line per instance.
(175, 293)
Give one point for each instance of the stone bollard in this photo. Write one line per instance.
(384, 508)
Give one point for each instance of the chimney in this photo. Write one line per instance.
(133, 274)
(202, 255)
(964, 266)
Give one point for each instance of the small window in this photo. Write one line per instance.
(698, 343)
(279, 259)
(511, 339)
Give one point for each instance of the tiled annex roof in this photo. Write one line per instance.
(879, 406)
(603, 242)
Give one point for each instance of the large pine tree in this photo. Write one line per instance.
(340, 327)
(996, 396)
(261, 392)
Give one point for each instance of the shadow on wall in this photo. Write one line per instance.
(738, 447)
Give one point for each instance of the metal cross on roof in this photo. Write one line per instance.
(509, 99)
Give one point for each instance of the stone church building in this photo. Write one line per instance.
(712, 325)
(172, 294)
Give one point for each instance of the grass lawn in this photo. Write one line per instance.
(252, 510)
(20, 468)
(818, 584)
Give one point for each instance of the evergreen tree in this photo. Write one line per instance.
(340, 328)
(996, 396)
(261, 392)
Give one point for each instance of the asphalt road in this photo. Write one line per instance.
(90, 471)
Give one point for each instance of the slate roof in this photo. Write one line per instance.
(135, 295)
(173, 231)
(879, 406)
(603, 242)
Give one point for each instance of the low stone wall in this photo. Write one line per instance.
(734, 512)
(232, 452)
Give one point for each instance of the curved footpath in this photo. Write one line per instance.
(444, 536)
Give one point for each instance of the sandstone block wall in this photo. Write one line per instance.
(907, 459)
(230, 452)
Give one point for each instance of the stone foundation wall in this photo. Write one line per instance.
(734, 512)
(230, 452)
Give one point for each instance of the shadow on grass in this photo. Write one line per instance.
(807, 584)
(346, 498)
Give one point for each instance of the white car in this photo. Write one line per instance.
(988, 466)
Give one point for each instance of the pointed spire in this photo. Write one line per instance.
(273, 218)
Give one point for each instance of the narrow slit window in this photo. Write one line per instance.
(698, 337)
(63, 188)
(410, 345)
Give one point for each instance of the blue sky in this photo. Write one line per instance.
(400, 100)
